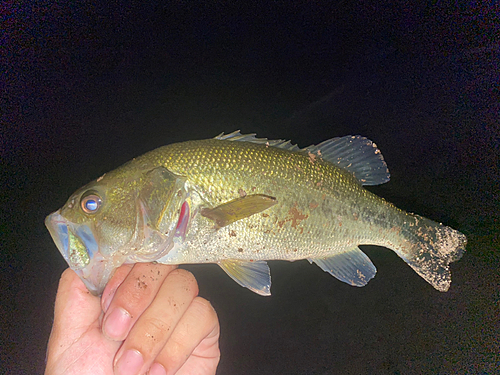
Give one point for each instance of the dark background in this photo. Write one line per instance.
(86, 87)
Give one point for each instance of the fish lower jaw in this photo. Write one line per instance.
(99, 271)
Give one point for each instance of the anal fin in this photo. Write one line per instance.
(352, 266)
(252, 275)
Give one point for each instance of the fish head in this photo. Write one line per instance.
(119, 218)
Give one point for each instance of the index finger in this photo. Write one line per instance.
(138, 287)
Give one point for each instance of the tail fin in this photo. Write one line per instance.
(429, 249)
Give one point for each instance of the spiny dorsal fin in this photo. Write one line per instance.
(237, 136)
(355, 153)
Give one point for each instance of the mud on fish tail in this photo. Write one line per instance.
(429, 248)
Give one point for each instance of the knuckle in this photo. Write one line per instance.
(204, 309)
(204, 305)
(157, 326)
(135, 292)
(151, 334)
(187, 279)
(179, 272)
(176, 355)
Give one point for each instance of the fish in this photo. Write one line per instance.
(239, 201)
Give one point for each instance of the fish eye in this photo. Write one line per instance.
(90, 203)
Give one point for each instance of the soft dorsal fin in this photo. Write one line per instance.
(358, 155)
(355, 153)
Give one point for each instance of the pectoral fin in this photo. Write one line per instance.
(252, 275)
(238, 209)
(352, 267)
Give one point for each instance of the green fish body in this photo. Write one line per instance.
(239, 201)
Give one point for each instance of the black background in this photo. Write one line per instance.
(87, 86)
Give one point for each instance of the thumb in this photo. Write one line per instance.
(76, 311)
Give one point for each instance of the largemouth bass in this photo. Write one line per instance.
(238, 201)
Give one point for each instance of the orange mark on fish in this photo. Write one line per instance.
(313, 205)
(295, 217)
(312, 157)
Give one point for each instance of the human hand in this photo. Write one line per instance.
(149, 318)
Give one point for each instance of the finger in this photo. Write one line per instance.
(156, 324)
(76, 310)
(118, 278)
(132, 297)
(194, 342)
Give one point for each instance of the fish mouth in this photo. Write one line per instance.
(78, 246)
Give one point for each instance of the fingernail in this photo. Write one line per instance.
(117, 324)
(157, 369)
(129, 363)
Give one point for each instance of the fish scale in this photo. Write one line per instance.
(258, 169)
(239, 201)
